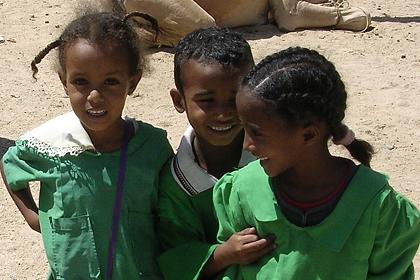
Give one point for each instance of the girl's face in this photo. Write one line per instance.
(96, 78)
(267, 136)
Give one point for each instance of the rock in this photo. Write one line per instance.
(2, 40)
(390, 147)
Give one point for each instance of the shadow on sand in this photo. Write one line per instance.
(388, 18)
(248, 32)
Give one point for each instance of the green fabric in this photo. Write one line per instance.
(373, 233)
(187, 229)
(77, 199)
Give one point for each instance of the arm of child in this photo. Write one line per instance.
(184, 231)
(25, 203)
(231, 220)
(397, 240)
(244, 247)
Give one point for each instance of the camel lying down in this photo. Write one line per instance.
(176, 18)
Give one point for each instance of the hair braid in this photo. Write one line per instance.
(38, 58)
(101, 28)
(303, 85)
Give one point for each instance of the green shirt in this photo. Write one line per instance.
(187, 229)
(187, 226)
(77, 199)
(373, 233)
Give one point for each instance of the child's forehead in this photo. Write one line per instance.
(203, 64)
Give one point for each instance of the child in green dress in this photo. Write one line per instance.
(332, 219)
(98, 172)
(209, 65)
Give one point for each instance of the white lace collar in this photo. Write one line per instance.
(60, 136)
(188, 174)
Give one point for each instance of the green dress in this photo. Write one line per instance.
(77, 198)
(373, 233)
(187, 226)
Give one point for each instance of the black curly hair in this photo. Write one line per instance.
(212, 45)
(100, 28)
(303, 85)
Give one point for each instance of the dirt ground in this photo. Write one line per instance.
(381, 69)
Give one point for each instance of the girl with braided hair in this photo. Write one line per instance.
(98, 171)
(332, 219)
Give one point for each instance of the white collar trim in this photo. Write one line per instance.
(188, 174)
(60, 136)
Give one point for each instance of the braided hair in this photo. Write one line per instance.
(100, 28)
(303, 85)
(212, 45)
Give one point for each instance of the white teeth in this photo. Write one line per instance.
(96, 113)
(221, 128)
(262, 158)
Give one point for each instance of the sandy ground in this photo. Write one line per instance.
(381, 69)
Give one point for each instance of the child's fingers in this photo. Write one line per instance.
(248, 238)
(250, 230)
(259, 244)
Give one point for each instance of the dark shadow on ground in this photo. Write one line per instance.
(248, 32)
(4, 145)
(388, 18)
(258, 32)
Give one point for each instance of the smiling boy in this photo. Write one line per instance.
(209, 65)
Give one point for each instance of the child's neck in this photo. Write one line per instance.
(313, 180)
(218, 160)
(109, 140)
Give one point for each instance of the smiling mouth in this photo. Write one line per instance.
(96, 113)
(221, 128)
(260, 157)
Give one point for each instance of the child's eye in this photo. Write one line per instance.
(80, 82)
(206, 100)
(111, 82)
(254, 132)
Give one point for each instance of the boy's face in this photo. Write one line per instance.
(208, 98)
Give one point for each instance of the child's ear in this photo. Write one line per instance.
(63, 80)
(311, 134)
(178, 100)
(135, 79)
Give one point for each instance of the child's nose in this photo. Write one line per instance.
(225, 112)
(248, 144)
(94, 96)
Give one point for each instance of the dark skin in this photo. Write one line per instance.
(214, 157)
(208, 98)
(295, 155)
(25, 203)
(97, 79)
(312, 182)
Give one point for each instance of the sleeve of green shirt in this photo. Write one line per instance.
(231, 219)
(22, 165)
(397, 239)
(181, 232)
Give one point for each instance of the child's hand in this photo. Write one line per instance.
(245, 247)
